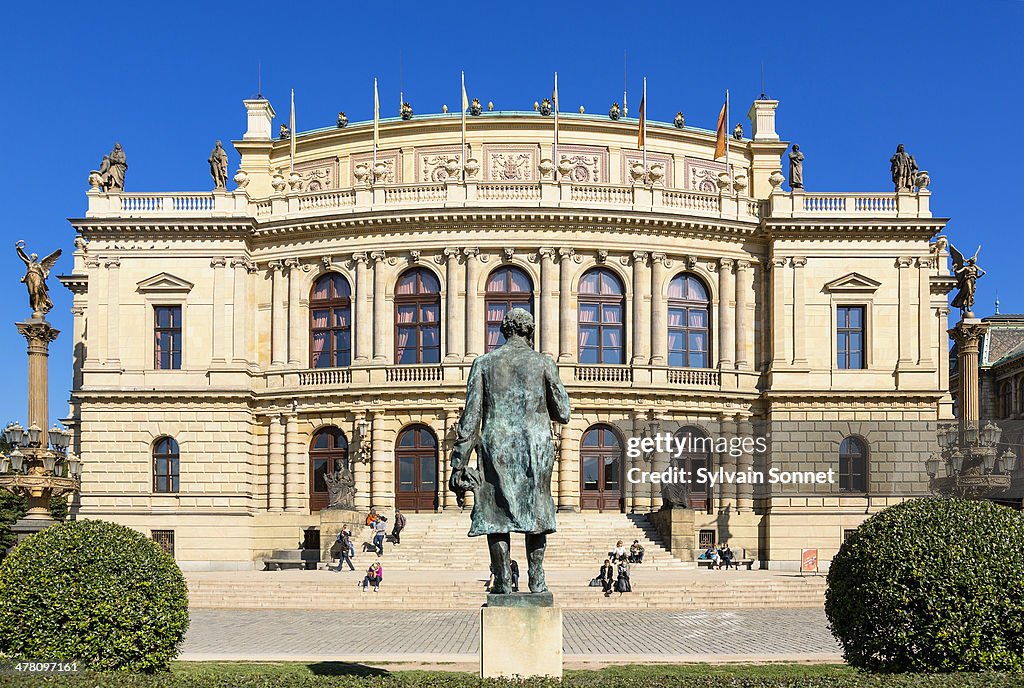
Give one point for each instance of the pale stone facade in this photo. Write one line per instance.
(244, 404)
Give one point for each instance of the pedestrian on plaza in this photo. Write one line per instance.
(636, 553)
(351, 541)
(607, 577)
(396, 530)
(344, 551)
(514, 568)
(380, 531)
(622, 583)
(374, 575)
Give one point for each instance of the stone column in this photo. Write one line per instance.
(296, 484)
(641, 491)
(942, 314)
(745, 491)
(799, 313)
(361, 470)
(382, 485)
(474, 309)
(780, 324)
(78, 336)
(218, 324)
(744, 328)
(568, 469)
(548, 302)
(726, 322)
(967, 334)
(659, 464)
(556, 436)
(454, 336)
(659, 310)
(364, 315)
(278, 332)
(241, 307)
(38, 333)
(383, 327)
(95, 352)
(641, 309)
(113, 266)
(275, 465)
(298, 349)
(924, 315)
(726, 490)
(445, 499)
(907, 326)
(566, 310)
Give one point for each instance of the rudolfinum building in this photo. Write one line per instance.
(234, 348)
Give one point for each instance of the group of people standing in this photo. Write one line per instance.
(378, 526)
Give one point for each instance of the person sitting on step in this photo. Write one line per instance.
(374, 575)
(636, 553)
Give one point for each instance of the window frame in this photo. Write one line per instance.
(157, 330)
(173, 459)
(330, 304)
(847, 479)
(601, 301)
(688, 305)
(419, 300)
(862, 330)
(505, 299)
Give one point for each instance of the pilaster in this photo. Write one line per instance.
(659, 309)
(454, 334)
(799, 314)
(548, 301)
(744, 304)
(474, 306)
(726, 323)
(297, 330)
(275, 465)
(566, 311)
(113, 266)
(296, 464)
(363, 309)
(279, 332)
(641, 310)
(381, 330)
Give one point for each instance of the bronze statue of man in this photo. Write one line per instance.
(512, 396)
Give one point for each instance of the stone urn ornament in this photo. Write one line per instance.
(564, 168)
(723, 181)
(775, 179)
(657, 173)
(451, 168)
(475, 108)
(94, 181)
(472, 168)
(360, 172)
(405, 112)
(241, 179)
(679, 121)
(615, 112)
(922, 180)
(546, 167)
(545, 107)
(636, 171)
(295, 181)
(380, 171)
(277, 182)
(740, 183)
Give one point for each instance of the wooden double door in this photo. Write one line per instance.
(416, 461)
(601, 470)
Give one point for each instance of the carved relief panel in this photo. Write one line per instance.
(318, 175)
(431, 162)
(509, 162)
(702, 175)
(392, 160)
(632, 157)
(589, 163)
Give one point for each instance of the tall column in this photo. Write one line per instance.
(780, 324)
(726, 321)
(744, 329)
(382, 325)
(241, 309)
(924, 313)
(907, 324)
(218, 331)
(548, 302)
(641, 491)
(95, 352)
(659, 310)
(727, 490)
(364, 315)
(361, 468)
(799, 313)
(967, 334)
(114, 311)
(659, 463)
(275, 465)
(641, 309)
(278, 331)
(568, 469)
(382, 485)
(474, 305)
(38, 333)
(745, 491)
(453, 319)
(297, 347)
(295, 466)
(566, 309)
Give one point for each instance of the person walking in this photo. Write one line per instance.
(380, 530)
(396, 530)
(374, 575)
(344, 551)
(607, 577)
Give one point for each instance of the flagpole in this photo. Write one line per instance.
(376, 124)
(727, 167)
(554, 148)
(464, 105)
(291, 123)
(625, 106)
(643, 101)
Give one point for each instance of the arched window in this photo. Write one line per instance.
(693, 453)
(165, 465)
(689, 314)
(330, 322)
(602, 305)
(1005, 399)
(328, 452)
(853, 463)
(416, 472)
(601, 469)
(417, 317)
(507, 288)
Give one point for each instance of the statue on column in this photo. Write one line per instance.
(219, 167)
(512, 395)
(967, 273)
(36, 272)
(796, 168)
(904, 169)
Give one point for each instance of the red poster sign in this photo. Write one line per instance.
(808, 561)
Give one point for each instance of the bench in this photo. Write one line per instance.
(740, 559)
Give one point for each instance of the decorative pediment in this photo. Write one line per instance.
(164, 283)
(854, 283)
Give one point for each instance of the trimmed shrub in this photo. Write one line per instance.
(95, 592)
(931, 585)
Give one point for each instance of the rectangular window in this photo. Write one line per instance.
(850, 337)
(165, 538)
(167, 337)
(706, 538)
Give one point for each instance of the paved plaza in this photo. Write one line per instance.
(454, 636)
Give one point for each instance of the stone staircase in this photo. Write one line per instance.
(438, 541)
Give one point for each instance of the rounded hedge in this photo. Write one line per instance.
(931, 585)
(96, 592)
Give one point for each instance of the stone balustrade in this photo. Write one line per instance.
(800, 204)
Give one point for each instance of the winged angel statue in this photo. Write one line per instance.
(36, 272)
(967, 273)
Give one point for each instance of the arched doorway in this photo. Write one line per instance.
(328, 452)
(601, 469)
(416, 469)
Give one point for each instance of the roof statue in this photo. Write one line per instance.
(219, 167)
(904, 169)
(110, 175)
(967, 274)
(796, 168)
(36, 272)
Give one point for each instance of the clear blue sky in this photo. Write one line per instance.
(166, 80)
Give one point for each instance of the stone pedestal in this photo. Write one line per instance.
(521, 637)
(331, 522)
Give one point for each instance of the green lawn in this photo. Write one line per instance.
(342, 675)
